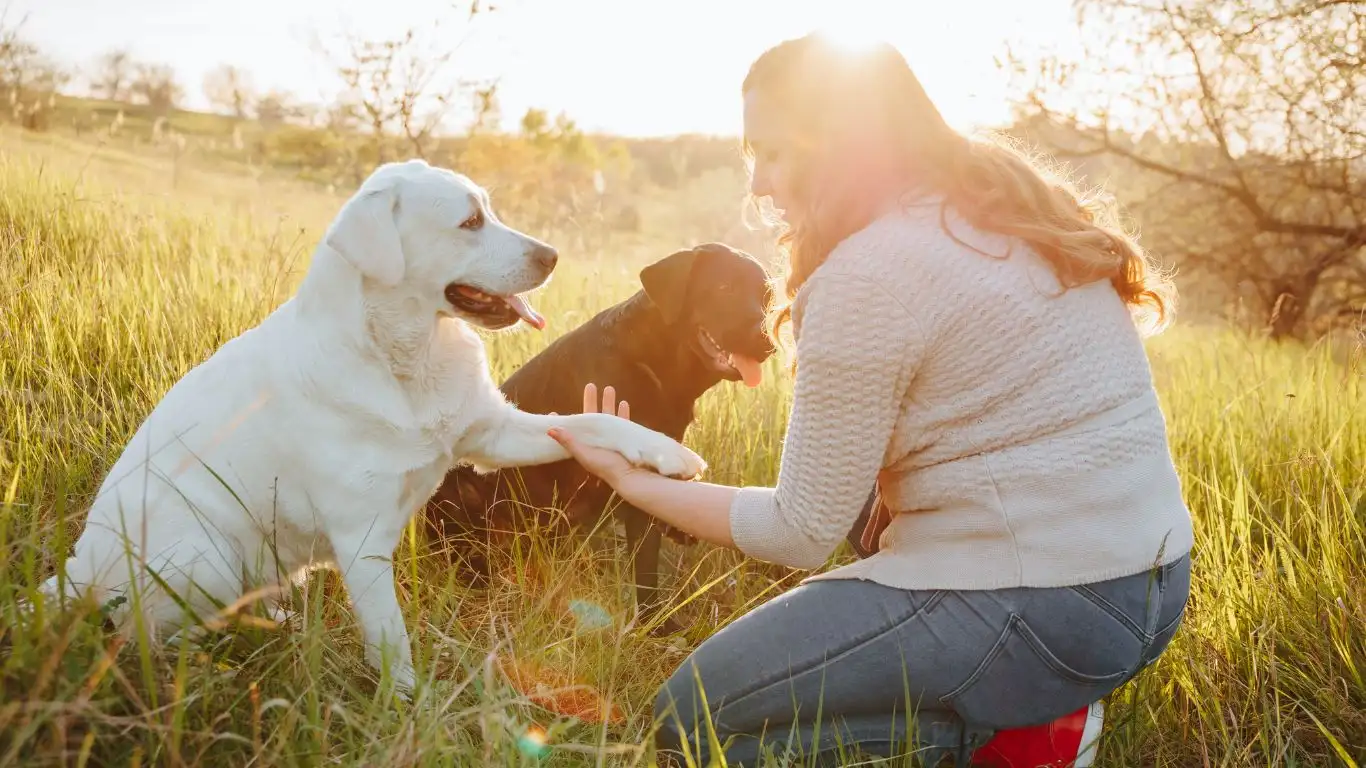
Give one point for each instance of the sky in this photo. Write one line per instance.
(632, 67)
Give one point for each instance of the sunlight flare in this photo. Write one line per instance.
(851, 34)
(533, 742)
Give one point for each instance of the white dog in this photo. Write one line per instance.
(310, 440)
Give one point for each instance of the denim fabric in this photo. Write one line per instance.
(862, 655)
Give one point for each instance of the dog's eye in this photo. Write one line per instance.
(475, 221)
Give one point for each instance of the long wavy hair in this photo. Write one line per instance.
(833, 99)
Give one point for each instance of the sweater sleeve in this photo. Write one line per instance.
(857, 350)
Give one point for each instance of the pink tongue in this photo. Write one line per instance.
(525, 311)
(749, 369)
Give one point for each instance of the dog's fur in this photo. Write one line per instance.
(650, 348)
(310, 440)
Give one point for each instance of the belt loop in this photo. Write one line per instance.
(1163, 571)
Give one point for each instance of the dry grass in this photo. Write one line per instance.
(116, 280)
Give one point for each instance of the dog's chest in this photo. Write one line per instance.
(448, 393)
(443, 416)
(419, 484)
(441, 427)
(444, 392)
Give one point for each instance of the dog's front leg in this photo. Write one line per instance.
(365, 558)
(643, 540)
(520, 439)
(515, 439)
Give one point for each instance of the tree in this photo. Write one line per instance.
(230, 89)
(401, 87)
(488, 112)
(155, 85)
(112, 75)
(29, 80)
(276, 108)
(1241, 125)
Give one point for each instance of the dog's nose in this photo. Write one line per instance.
(545, 256)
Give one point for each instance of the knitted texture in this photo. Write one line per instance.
(1014, 426)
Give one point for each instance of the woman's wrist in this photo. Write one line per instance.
(636, 484)
(697, 508)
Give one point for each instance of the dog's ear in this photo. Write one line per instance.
(666, 282)
(366, 234)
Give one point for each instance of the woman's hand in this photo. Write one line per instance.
(697, 508)
(609, 465)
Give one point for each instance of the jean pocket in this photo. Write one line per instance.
(1021, 682)
(1176, 586)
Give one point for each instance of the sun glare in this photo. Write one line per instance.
(851, 34)
(950, 46)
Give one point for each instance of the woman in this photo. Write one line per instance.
(968, 337)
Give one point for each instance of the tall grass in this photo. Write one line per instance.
(107, 296)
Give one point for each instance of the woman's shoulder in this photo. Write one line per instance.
(940, 266)
(923, 233)
(878, 266)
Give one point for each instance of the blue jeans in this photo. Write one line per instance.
(864, 654)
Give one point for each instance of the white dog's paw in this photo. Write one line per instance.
(665, 456)
(402, 677)
(640, 445)
(280, 614)
(405, 681)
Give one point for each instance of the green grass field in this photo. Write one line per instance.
(113, 284)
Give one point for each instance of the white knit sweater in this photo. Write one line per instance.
(1019, 429)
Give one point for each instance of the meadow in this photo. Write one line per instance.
(120, 273)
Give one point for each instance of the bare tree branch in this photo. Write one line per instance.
(1238, 126)
(403, 87)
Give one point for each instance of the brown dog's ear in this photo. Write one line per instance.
(666, 282)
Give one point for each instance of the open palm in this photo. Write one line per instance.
(606, 464)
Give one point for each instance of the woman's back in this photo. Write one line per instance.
(1028, 448)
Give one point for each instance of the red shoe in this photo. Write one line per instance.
(1068, 742)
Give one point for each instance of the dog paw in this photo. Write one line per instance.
(642, 446)
(668, 458)
(682, 464)
(405, 681)
(280, 615)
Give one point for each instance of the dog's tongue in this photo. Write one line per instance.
(525, 311)
(749, 369)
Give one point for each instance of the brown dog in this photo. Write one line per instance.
(698, 320)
